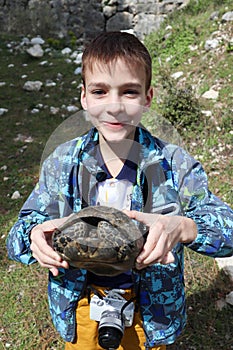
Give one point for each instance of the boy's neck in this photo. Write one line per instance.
(115, 153)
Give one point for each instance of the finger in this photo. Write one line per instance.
(148, 247)
(51, 225)
(154, 236)
(145, 218)
(167, 259)
(164, 259)
(44, 251)
(156, 248)
(48, 262)
(41, 242)
(54, 271)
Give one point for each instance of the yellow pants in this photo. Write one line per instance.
(87, 330)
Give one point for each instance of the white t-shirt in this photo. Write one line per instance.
(115, 193)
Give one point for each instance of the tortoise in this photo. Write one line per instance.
(100, 239)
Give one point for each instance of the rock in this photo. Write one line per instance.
(85, 18)
(29, 139)
(16, 195)
(109, 11)
(78, 58)
(214, 15)
(227, 265)
(129, 31)
(66, 51)
(211, 44)
(74, 55)
(229, 298)
(54, 110)
(228, 16)
(78, 70)
(72, 108)
(169, 27)
(32, 85)
(37, 40)
(50, 83)
(120, 20)
(193, 47)
(35, 111)
(211, 94)
(35, 51)
(177, 75)
(43, 63)
(25, 41)
(23, 138)
(2, 83)
(59, 76)
(3, 111)
(143, 24)
(207, 113)
(220, 304)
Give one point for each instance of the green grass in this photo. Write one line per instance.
(25, 322)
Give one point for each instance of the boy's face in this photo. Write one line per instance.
(115, 98)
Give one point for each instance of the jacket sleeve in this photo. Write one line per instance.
(213, 217)
(41, 205)
(51, 198)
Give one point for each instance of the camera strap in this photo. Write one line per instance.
(90, 289)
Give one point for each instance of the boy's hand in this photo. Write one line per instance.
(164, 233)
(41, 246)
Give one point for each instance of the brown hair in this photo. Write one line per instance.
(109, 46)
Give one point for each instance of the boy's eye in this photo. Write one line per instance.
(131, 92)
(98, 92)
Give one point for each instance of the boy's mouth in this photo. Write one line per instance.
(114, 125)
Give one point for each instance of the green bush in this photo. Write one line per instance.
(178, 104)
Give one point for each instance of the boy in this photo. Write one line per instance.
(120, 164)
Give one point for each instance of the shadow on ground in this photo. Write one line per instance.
(208, 327)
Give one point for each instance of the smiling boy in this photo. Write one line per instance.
(119, 163)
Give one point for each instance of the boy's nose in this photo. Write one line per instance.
(114, 108)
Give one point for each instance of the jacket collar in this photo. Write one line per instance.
(150, 150)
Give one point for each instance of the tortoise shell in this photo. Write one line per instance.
(100, 239)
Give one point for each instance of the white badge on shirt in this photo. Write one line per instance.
(115, 193)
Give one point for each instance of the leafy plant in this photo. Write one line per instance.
(178, 104)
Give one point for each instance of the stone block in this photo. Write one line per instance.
(227, 265)
(122, 20)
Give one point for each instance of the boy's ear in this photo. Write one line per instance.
(83, 98)
(149, 97)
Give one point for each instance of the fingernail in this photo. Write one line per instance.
(138, 266)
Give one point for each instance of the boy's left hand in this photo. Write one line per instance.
(164, 233)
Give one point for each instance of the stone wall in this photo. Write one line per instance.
(58, 18)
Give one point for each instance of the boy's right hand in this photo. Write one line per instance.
(41, 246)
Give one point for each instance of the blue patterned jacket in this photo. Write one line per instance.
(174, 179)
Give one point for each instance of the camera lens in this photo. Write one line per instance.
(111, 329)
(109, 338)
